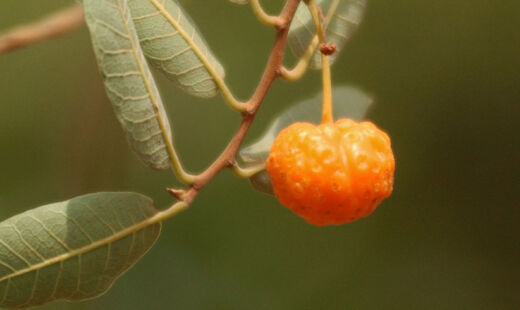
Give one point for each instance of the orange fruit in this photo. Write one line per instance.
(332, 173)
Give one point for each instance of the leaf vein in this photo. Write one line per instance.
(15, 253)
(122, 75)
(161, 36)
(126, 98)
(348, 20)
(172, 56)
(51, 233)
(149, 137)
(6, 292)
(78, 225)
(146, 16)
(112, 28)
(145, 224)
(33, 290)
(25, 241)
(98, 217)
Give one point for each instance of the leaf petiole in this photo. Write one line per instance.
(230, 100)
(177, 168)
(262, 16)
(303, 63)
(175, 209)
(246, 173)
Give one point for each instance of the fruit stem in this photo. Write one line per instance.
(327, 114)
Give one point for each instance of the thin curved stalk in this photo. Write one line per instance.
(303, 63)
(301, 67)
(246, 173)
(262, 16)
(177, 168)
(271, 73)
(56, 24)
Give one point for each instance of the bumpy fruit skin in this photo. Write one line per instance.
(334, 173)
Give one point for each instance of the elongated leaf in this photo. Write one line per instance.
(172, 43)
(73, 250)
(345, 17)
(128, 80)
(347, 101)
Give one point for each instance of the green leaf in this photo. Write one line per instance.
(73, 250)
(347, 101)
(172, 43)
(345, 17)
(262, 182)
(128, 80)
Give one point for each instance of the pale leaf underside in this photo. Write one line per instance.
(128, 80)
(73, 250)
(345, 17)
(172, 43)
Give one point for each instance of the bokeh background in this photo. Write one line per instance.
(445, 77)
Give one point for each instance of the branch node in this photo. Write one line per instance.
(249, 111)
(328, 48)
(272, 71)
(179, 194)
(281, 24)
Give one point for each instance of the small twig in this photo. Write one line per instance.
(177, 193)
(72, 18)
(272, 72)
(54, 25)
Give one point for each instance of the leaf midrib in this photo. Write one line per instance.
(212, 71)
(153, 99)
(92, 246)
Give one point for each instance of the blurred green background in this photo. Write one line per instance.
(445, 77)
